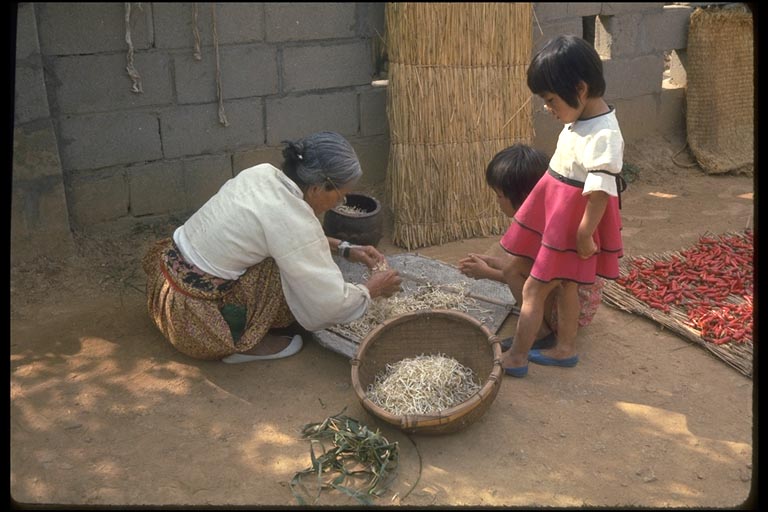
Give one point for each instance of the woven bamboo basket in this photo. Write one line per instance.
(720, 96)
(435, 331)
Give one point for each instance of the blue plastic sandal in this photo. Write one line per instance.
(535, 356)
(548, 341)
(519, 371)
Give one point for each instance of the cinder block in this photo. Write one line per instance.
(584, 8)
(39, 220)
(102, 140)
(97, 83)
(324, 67)
(630, 78)
(27, 44)
(373, 112)
(156, 188)
(637, 116)
(547, 31)
(266, 155)
(671, 116)
(548, 11)
(195, 80)
(302, 21)
(373, 153)
(32, 199)
(239, 22)
(35, 151)
(68, 28)
(296, 116)
(667, 30)
(236, 22)
(373, 18)
(612, 8)
(203, 177)
(30, 96)
(618, 36)
(97, 197)
(245, 71)
(546, 130)
(174, 25)
(195, 129)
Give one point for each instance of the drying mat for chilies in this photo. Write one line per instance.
(703, 293)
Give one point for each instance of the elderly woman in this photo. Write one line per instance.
(255, 255)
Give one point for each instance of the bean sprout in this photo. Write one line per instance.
(426, 296)
(424, 384)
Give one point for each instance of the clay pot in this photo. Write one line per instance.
(359, 228)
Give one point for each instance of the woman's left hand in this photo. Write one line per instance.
(366, 254)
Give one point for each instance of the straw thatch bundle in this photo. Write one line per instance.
(720, 92)
(457, 95)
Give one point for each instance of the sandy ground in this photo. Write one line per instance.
(103, 411)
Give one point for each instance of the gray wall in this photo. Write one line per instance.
(90, 152)
(633, 39)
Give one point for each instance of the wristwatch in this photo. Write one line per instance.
(344, 248)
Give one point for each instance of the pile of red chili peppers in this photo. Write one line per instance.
(712, 283)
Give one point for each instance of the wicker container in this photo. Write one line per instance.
(452, 333)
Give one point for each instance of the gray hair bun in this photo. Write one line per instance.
(293, 150)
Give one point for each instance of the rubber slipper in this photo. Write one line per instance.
(535, 356)
(293, 347)
(548, 341)
(519, 371)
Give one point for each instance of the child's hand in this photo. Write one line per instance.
(585, 246)
(474, 266)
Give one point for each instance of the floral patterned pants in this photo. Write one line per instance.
(185, 303)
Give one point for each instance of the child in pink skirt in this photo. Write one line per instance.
(512, 174)
(569, 226)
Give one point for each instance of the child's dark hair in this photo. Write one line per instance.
(515, 170)
(561, 64)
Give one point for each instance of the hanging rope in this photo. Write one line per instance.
(693, 164)
(196, 33)
(136, 87)
(222, 115)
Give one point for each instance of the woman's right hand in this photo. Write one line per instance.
(384, 283)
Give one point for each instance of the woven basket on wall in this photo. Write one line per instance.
(457, 95)
(452, 333)
(720, 90)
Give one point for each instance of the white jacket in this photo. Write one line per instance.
(262, 213)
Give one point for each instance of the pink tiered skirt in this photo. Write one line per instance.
(544, 230)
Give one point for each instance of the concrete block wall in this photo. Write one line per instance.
(633, 39)
(39, 217)
(286, 69)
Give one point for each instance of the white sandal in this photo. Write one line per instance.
(293, 347)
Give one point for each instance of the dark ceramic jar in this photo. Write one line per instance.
(359, 221)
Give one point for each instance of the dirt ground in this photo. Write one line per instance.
(104, 412)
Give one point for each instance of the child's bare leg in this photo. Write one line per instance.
(531, 313)
(515, 273)
(549, 305)
(568, 306)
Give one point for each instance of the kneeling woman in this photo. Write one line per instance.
(254, 258)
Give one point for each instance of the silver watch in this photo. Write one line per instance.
(344, 248)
